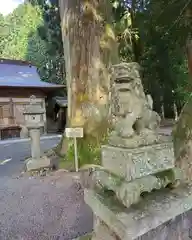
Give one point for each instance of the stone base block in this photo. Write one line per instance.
(138, 162)
(164, 215)
(172, 230)
(36, 164)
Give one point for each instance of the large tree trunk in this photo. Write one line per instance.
(89, 48)
(189, 55)
(188, 16)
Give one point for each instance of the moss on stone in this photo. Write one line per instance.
(169, 175)
(109, 200)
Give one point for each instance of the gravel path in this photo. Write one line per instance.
(49, 208)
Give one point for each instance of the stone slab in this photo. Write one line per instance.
(146, 139)
(36, 164)
(155, 211)
(102, 232)
(139, 162)
(175, 229)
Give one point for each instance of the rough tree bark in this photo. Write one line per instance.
(189, 54)
(188, 17)
(90, 48)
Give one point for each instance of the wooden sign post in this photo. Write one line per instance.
(74, 133)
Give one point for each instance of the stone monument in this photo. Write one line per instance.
(34, 121)
(136, 194)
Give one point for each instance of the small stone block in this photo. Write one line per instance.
(36, 164)
(139, 162)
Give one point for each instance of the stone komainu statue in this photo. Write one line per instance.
(132, 108)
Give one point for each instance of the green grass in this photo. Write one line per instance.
(66, 164)
(89, 152)
(86, 237)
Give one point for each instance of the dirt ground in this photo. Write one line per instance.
(43, 208)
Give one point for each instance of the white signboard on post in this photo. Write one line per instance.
(74, 133)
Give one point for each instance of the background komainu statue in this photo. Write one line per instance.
(136, 122)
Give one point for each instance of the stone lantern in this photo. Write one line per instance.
(33, 115)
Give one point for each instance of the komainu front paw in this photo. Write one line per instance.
(127, 132)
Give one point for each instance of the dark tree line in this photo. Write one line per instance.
(154, 33)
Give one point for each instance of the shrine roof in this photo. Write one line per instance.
(17, 73)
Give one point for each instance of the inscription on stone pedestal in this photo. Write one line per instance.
(136, 163)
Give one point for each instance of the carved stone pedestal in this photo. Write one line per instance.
(128, 175)
(138, 162)
(129, 193)
(131, 172)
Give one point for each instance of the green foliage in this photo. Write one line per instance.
(4, 32)
(163, 32)
(88, 152)
(32, 32)
(155, 33)
(86, 237)
(22, 41)
(50, 32)
(123, 29)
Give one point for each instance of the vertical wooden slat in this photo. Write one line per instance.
(12, 119)
(1, 115)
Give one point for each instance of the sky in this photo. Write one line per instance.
(9, 5)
